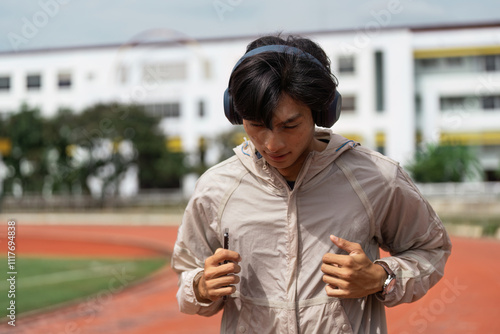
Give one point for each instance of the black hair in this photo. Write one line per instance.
(260, 81)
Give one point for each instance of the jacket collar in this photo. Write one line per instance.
(314, 163)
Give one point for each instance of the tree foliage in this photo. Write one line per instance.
(104, 142)
(25, 161)
(228, 140)
(444, 163)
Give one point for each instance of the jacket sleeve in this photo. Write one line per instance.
(197, 239)
(416, 239)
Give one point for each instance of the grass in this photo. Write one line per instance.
(44, 282)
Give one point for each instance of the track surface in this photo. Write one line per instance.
(464, 301)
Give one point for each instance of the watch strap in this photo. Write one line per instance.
(389, 283)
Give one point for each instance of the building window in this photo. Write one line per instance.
(379, 81)
(490, 102)
(418, 103)
(64, 80)
(429, 62)
(451, 103)
(163, 110)
(346, 65)
(454, 61)
(33, 82)
(491, 63)
(162, 72)
(349, 104)
(4, 83)
(201, 108)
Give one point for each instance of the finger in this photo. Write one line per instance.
(229, 268)
(332, 270)
(349, 247)
(222, 255)
(221, 286)
(212, 272)
(333, 281)
(227, 254)
(333, 291)
(222, 281)
(333, 259)
(338, 260)
(225, 291)
(216, 293)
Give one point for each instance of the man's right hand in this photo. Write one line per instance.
(218, 277)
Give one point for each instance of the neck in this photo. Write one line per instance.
(291, 173)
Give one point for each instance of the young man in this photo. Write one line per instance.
(306, 211)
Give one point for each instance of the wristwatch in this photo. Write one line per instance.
(390, 282)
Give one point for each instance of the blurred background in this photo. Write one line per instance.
(110, 111)
(104, 103)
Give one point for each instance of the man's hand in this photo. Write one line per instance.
(353, 275)
(218, 277)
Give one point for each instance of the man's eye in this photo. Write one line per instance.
(290, 126)
(256, 125)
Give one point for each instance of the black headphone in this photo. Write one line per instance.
(323, 119)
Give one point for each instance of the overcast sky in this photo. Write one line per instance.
(34, 24)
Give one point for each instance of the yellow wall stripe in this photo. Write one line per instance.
(457, 52)
(379, 138)
(352, 136)
(476, 138)
(446, 138)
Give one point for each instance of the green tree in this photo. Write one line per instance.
(227, 141)
(158, 167)
(444, 163)
(63, 177)
(24, 130)
(61, 153)
(114, 137)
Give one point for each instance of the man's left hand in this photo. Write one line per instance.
(353, 275)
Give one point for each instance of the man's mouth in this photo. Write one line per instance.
(277, 157)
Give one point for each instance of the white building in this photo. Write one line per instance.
(399, 85)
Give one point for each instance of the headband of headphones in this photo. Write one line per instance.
(324, 119)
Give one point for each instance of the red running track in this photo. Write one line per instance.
(464, 301)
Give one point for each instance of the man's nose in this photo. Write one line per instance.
(274, 142)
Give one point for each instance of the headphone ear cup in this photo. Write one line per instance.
(233, 117)
(332, 115)
(227, 107)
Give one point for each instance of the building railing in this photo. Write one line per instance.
(483, 190)
(145, 199)
(457, 193)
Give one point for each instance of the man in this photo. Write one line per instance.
(306, 211)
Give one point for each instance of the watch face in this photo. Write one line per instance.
(391, 285)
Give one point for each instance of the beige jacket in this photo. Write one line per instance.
(282, 235)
